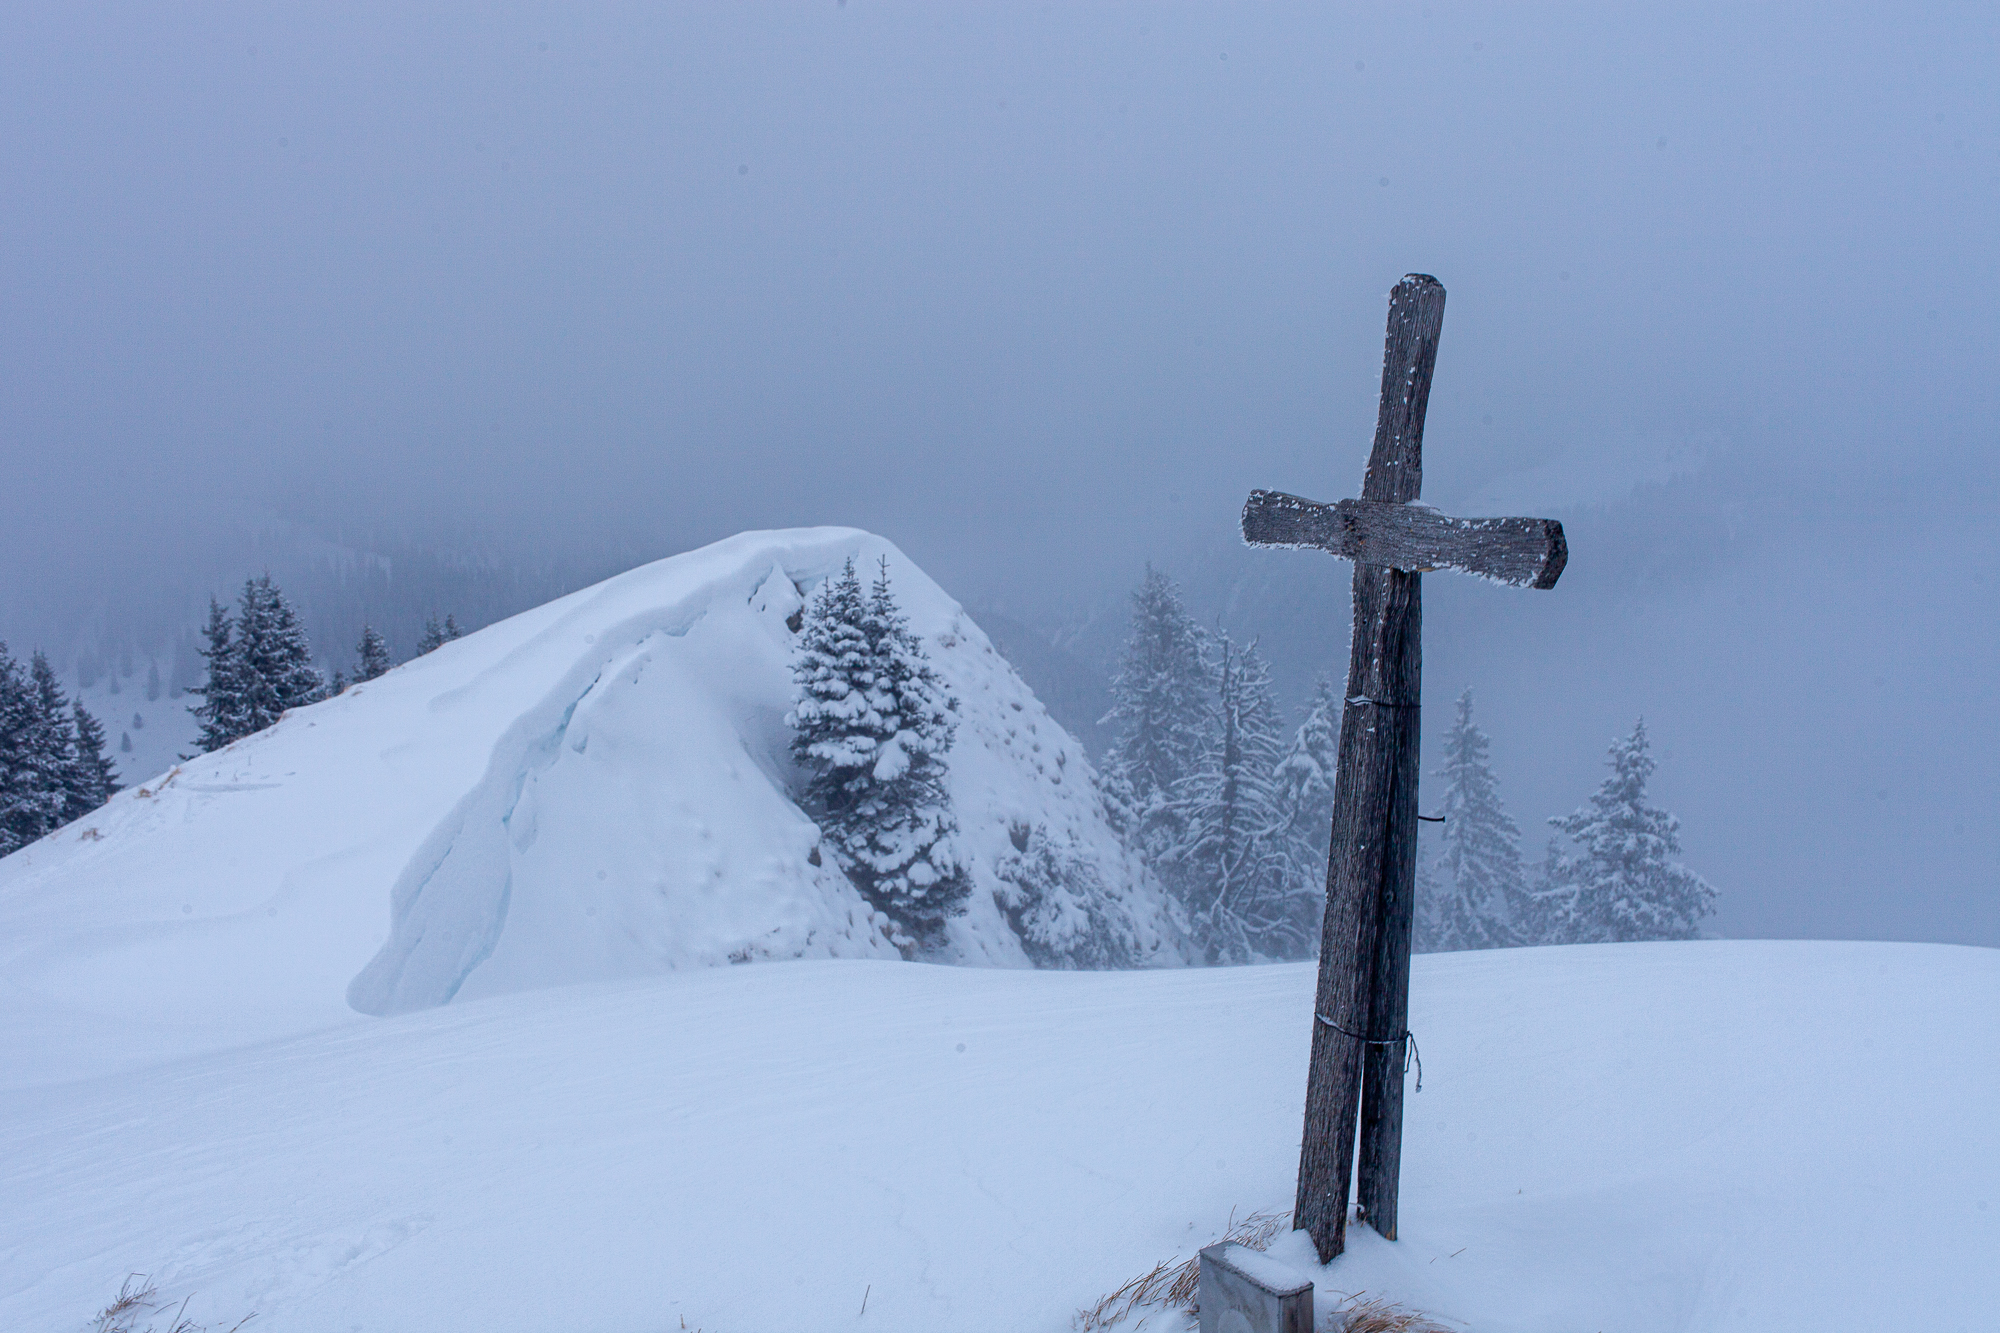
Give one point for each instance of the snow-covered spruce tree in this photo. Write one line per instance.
(1305, 783)
(93, 777)
(1621, 883)
(1482, 887)
(220, 714)
(1231, 865)
(56, 735)
(273, 654)
(36, 752)
(1544, 916)
(436, 636)
(259, 665)
(1053, 897)
(372, 655)
(152, 680)
(872, 725)
(19, 811)
(1161, 707)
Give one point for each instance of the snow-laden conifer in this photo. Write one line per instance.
(220, 714)
(835, 729)
(93, 777)
(1058, 905)
(259, 665)
(56, 742)
(872, 724)
(1231, 865)
(1480, 881)
(1305, 783)
(20, 811)
(271, 641)
(436, 636)
(372, 654)
(1162, 711)
(273, 658)
(1621, 882)
(1542, 918)
(37, 751)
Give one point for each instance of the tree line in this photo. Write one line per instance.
(53, 768)
(339, 582)
(1202, 779)
(1610, 873)
(1235, 816)
(260, 664)
(1232, 813)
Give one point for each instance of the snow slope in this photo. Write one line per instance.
(591, 790)
(1713, 1135)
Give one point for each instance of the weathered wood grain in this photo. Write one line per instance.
(1378, 1169)
(1523, 552)
(1375, 789)
(1361, 1007)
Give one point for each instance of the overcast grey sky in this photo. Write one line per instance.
(1039, 291)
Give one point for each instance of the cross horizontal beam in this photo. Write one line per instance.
(1524, 552)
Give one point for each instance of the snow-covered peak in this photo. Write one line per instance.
(595, 789)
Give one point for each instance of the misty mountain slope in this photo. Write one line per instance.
(1650, 1138)
(1076, 692)
(594, 789)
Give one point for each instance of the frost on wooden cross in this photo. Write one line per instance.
(1361, 1012)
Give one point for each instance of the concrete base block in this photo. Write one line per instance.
(1245, 1291)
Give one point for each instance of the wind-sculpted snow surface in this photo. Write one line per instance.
(595, 789)
(1647, 1138)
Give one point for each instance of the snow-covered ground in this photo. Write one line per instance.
(1717, 1135)
(415, 1012)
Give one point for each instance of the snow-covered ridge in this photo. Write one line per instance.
(590, 790)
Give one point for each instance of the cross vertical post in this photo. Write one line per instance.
(1371, 873)
(1361, 1008)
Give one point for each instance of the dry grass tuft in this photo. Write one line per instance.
(1172, 1286)
(1153, 1287)
(1378, 1316)
(1257, 1230)
(138, 1296)
(135, 1297)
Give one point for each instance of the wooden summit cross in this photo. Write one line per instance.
(1361, 1012)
